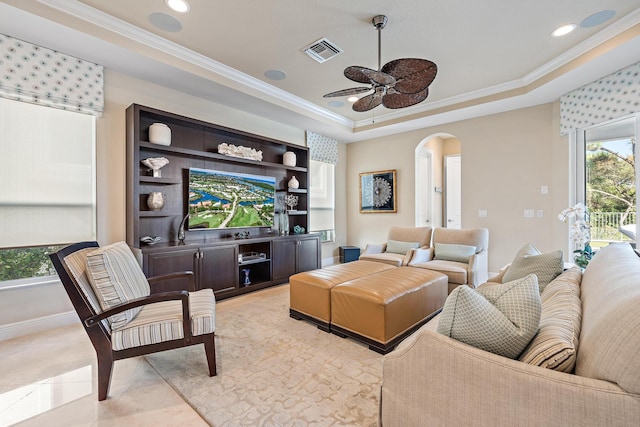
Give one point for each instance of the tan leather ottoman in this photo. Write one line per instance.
(383, 308)
(310, 291)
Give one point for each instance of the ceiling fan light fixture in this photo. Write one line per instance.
(352, 99)
(403, 81)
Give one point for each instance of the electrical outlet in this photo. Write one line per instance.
(540, 213)
(529, 213)
(544, 189)
(482, 213)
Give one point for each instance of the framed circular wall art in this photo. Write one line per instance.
(378, 191)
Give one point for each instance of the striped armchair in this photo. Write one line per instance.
(122, 314)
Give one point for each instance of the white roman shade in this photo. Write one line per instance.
(323, 152)
(615, 95)
(322, 148)
(42, 76)
(47, 162)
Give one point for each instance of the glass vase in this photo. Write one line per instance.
(283, 225)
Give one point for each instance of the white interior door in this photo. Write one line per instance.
(424, 205)
(453, 191)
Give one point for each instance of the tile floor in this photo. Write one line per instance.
(46, 379)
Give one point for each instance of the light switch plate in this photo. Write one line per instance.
(529, 213)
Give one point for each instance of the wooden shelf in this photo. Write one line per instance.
(156, 214)
(294, 190)
(201, 154)
(159, 181)
(254, 261)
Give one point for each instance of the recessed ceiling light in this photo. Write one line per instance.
(564, 30)
(275, 74)
(352, 98)
(178, 5)
(597, 18)
(336, 104)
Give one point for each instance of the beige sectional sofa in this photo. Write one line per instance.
(433, 380)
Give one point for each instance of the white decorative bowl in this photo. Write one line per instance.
(160, 134)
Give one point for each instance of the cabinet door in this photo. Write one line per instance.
(219, 268)
(283, 259)
(170, 262)
(308, 254)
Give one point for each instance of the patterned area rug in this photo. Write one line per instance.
(274, 370)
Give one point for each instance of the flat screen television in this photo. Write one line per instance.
(230, 200)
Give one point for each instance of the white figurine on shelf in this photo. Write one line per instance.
(155, 164)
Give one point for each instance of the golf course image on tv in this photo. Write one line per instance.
(230, 200)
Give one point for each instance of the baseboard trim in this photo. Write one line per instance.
(26, 327)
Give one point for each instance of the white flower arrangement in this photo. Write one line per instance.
(579, 233)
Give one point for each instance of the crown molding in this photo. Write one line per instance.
(89, 14)
(623, 24)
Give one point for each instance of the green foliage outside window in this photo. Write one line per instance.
(23, 263)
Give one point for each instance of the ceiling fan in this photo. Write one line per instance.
(398, 84)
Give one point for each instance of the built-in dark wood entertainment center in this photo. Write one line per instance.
(219, 258)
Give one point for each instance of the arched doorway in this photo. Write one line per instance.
(429, 178)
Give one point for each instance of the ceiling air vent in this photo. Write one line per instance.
(322, 50)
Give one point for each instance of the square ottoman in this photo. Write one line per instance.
(381, 309)
(310, 291)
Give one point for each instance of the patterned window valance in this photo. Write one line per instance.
(38, 75)
(615, 95)
(322, 148)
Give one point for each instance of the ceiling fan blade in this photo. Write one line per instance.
(402, 100)
(346, 92)
(412, 75)
(379, 77)
(367, 103)
(356, 74)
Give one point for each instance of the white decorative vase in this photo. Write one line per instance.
(293, 183)
(155, 201)
(289, 158)
(160, 134)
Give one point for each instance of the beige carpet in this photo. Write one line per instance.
(274, 370)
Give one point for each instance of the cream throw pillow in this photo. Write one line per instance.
(529, 260)
(116, 277)
(501, 318)
(554, 346)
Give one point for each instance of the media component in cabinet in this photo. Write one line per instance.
(254, 263)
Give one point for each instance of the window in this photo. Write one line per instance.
(607, 179)
(321, 191)
(47, 196)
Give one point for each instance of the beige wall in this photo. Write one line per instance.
(120, 92)
(506, 158)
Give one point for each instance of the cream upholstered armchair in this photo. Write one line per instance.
(399, 243)
(461, 254)
(125, 314)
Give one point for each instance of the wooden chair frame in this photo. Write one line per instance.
(101, 338)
